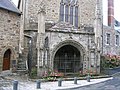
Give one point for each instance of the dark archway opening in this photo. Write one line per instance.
(6, 60)
(67, 59)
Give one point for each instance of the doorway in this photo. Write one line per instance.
(6, 60)
(67, 59)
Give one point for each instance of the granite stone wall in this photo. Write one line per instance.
(9, 35)
(84, 36)
(52, 7)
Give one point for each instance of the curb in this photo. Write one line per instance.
(71, 79)
(79, 86)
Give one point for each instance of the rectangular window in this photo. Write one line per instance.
(108, 38)
(117, 40)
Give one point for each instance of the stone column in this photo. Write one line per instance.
(40, 41)
(22, 24)
(98, 23)
(98, 31)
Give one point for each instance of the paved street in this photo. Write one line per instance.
(6, 83)
(66, 85)
(112, 84)
(29, 85)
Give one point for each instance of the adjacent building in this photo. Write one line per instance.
(9, 35)
(111, 35)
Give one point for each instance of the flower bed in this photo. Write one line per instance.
(110, 61)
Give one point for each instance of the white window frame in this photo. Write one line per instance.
(107, 39)
(117, 40)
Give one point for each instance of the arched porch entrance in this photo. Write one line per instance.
(6, 60)
(67, 59)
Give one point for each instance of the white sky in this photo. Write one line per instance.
(15, 2)
(116, 9)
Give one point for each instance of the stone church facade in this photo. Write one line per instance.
(61, 35)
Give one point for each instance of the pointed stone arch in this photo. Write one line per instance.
(6, 60)
(75, 45)
(8, 54)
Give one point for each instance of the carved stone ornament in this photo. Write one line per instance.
(42, 7)
(63, 25)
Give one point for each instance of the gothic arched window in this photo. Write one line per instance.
(62, 12)
(76, 16)
(71, 15)
(69, 11)
(66, 13)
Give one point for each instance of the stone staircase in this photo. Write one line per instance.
(22, 65)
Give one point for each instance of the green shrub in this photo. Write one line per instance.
(109, 62)
(33, 73)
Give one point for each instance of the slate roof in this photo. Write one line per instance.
(9, 5)
(118, 30)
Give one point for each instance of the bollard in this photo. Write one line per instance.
(88, 78)
(15, 85)
(38, 84)
(75, 80)
(60, 82)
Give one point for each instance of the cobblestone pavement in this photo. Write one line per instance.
(7, 78)
(6, 83)
(25, 84)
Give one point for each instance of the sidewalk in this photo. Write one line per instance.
(29, 85)
(70, 84)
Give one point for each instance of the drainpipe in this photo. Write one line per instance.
(29, 62)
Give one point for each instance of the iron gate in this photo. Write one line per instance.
(67, 60)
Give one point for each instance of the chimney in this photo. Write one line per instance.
(111, 13)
